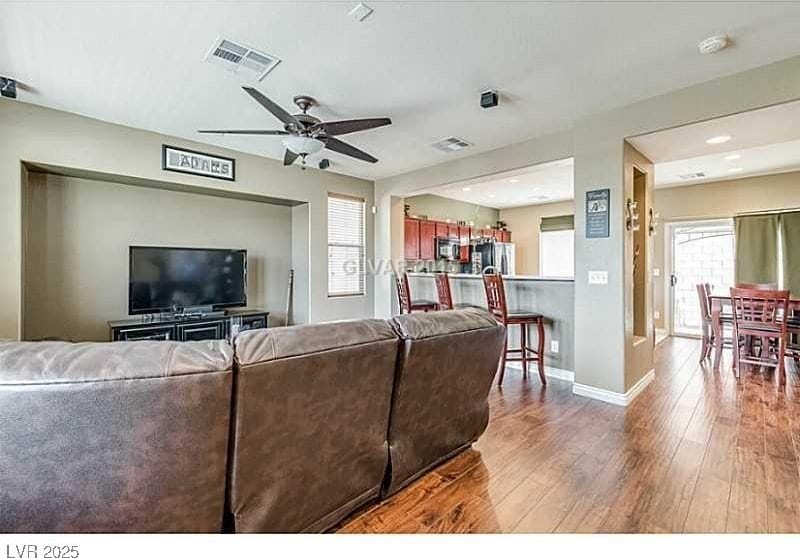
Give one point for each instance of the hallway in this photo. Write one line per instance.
(695, 452)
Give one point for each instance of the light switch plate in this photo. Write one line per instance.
(657, 315)
(554, 346)
(656, 272)
(598, 277)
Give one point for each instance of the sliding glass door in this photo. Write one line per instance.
(702, 252)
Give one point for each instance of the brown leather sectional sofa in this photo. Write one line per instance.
(291, 431)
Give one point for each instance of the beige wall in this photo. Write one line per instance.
(45, 136)
(523, 222)
(439, 208)
(716, 200)
(79, 231)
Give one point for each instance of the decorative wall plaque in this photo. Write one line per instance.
(178, 159)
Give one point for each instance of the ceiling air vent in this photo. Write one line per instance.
(451, 144)
(237, 57)
(692, 175)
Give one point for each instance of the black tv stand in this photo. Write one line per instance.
(186, 327)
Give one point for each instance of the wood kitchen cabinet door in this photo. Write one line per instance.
(463, 241)
(427, 240)
(506, 236)
(441, 230)
(452, 232)
(412, 239)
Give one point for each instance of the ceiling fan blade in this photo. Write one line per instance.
(346, 149)
(275, 109)
(289, 158)
(342, 127)
(252, 132)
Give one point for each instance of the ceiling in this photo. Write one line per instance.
(421, 63)
(545, 183)
(763, 141)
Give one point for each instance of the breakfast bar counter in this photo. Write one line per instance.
(553, 297)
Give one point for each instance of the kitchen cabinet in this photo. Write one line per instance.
(441, 230)
(464, 234)
(452, 232)
(506, 236)
(411, 239)
(427, 240)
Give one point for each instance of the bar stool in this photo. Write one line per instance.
(496, 301)
(443, 291)
(404, 297)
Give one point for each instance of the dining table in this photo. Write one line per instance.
(719, 316)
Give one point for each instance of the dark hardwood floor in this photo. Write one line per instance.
(697, 451)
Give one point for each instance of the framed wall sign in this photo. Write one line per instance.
(597, 211)
(178, 159)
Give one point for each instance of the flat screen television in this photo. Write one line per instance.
(163, 279)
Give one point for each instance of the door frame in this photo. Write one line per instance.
(669, 260)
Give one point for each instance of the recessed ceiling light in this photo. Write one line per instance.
(490, 195)
(733, 157)
(718, 139)
(514, 180)
(712, 44)
(736, 169)
(466, 189)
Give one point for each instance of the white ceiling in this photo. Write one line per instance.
(545, 183)
(421, 63)
(766, 140)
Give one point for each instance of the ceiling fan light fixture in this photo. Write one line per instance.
(303, 145)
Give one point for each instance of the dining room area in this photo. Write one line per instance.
(726, 215)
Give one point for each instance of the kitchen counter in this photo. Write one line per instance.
(553, 297)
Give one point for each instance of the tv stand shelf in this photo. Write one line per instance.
(186, 328)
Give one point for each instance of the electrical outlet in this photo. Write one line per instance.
(554, 346)
(657, 315)
(598, 277)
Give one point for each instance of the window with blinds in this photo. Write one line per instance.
(346, 245)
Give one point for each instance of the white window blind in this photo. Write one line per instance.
(346, 233)
(557, 253)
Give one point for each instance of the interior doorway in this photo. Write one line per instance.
(700, 252)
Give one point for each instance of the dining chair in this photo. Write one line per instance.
(711, 339)
(761, 314)
(443, 291)
(496, 302)
(407, 305)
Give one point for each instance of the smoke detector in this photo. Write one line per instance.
(713, 44)
(451, 144)
(237, 58)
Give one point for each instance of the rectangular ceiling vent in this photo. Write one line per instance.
(237, 57)
(451, 144)
(692, 175)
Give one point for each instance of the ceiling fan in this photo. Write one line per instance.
(307, 134)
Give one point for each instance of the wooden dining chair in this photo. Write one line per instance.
(760, 314)
(713, 337)
(496, 302)
(443, 292)
(407, 305)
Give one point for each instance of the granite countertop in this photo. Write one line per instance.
(505, 277)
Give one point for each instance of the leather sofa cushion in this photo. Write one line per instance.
(49, 362)
(422, 326)
(263, 345)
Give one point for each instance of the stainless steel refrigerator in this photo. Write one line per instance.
(497, 255)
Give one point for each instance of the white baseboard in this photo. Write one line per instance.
(613, 397)
(549, 371)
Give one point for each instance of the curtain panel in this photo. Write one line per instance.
(756, 248)
(790, 240)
